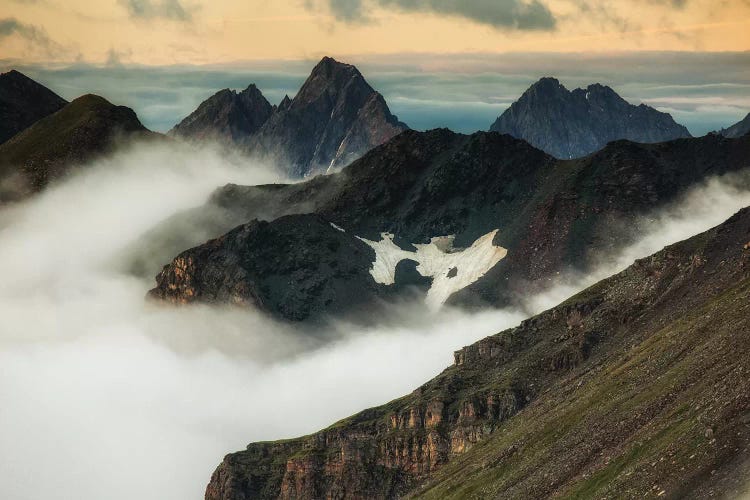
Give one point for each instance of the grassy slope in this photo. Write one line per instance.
(638, 385)
(86, 127)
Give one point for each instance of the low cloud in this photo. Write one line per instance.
(158, 9)
(106, 396)
(499, 14)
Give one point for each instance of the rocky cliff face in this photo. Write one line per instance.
(739, 129)
(295, 267)
(22, 102)
(574, 124)
(637, 386)
(551, 215)
(87, 127)
(334, 118)
(227, 116)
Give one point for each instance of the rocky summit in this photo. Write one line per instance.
(636, 387)
(227, 117)
(334, 118)
(548, 216)
(22, 102)
(572, 124)
(85, 128)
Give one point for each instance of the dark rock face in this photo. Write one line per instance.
(640, 383)
(22, 102)
(87, 127)
(574, 124)
(334, 118)
(739, 129)
(295, 267)
(227, 116)
(552, 215)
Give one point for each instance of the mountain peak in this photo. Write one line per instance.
(328, 66)
(334, 118)
(573, 124)
(23, 102)
(83, 129)
(330, 77)
(227, 116)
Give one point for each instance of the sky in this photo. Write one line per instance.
(453, 63)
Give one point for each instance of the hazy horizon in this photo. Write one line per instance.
(466, 93)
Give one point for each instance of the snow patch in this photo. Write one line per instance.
(338, 228)
(437, 259)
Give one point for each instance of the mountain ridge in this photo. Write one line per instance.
(551, 215)
(739, 129)
(83, 129)
(508, 418)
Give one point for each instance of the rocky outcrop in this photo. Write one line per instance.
(227, 117)
(638, 385)
(573, 124)
(23, 102)
(550, 215)
(297, 267)
(739, 129)
(87, 127)
(334, 118)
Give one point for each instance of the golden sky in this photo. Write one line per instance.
(160, 32)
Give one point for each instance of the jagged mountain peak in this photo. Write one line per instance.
(334, 118)
(284, 104)
(572, 124)
(331, 77)
(227, 116)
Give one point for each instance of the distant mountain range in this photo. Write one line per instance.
(550, 216)
(573, 124)
(334, 118)
(637, 386)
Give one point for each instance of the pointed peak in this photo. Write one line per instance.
(598, 88)
(547, 81)
(13, 73)
(547, 85)
(285, 102)
(329, 67)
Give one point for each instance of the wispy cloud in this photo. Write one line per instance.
(173, 10)
(36, 37)
(499, 14)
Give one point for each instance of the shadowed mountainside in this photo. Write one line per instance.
(739, 129)
(22, 102)
(87, 127)
(639, 385)
(552, 215)
(572, 124)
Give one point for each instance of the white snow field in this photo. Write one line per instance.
(437, 259)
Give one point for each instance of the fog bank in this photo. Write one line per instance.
(106, 396)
